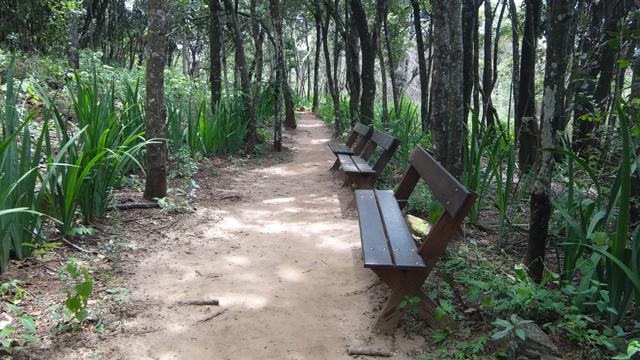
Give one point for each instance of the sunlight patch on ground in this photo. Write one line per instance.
(319, 141)
(289, 273)
(279, 200)
(310, 125)
(238, 260)
(335, 244)
(251, 301)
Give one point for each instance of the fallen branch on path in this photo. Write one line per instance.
(213, 302)
(368, 352)
(131, 206)
(147, 331)
(75, 246)
(212, 316)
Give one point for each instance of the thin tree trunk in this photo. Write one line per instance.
(456, 139)
(487, 69)
(73, 43)
(156, 154)
(527, 130)
(353, 65)
(468, 9)
(422, 66)
(385, 106)
(368, 44)
(274, 8)
(241, 65)
(558, 52)
(515, 46)
(330, 80)
(316, 64)
(392, 66)
(440, 89)
(214, 52)
(258, 38)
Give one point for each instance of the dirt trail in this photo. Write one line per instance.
(280, 260)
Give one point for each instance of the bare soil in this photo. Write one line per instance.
(271, 242)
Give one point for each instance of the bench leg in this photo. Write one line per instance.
(336, 165)
(404, 285)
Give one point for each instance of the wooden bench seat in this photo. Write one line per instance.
(355, 144)
(388, 247)
(338, 148)
(386, 239)
(359, 172)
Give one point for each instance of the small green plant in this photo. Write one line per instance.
(17, 329)
(78, 289)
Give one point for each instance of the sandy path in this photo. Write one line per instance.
(280, 261)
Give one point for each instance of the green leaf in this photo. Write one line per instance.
(520, 333)
(28, 323)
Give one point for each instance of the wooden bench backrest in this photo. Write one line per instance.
(455, 198)
(360, 130)
(386, 142)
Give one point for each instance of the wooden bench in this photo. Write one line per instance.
(356, 142)
(356, 166)
(388, 247)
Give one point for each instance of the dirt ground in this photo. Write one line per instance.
(271, 243)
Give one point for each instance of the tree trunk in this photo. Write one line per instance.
(422, 66)
(73, 43)
(558, 52)
(316, 64)
(330, 79)
(241, 65)
(468, 10)
(526, 125)
(274, 9)
(515, 51)
(368, 44)
(456, 139)
(290, 115)
(214, 53)
(258, 39)
(156, 155)
(476, 63)
(385, 106)
(487, 69)
(392, 66)
(440, 89)
(353, 65)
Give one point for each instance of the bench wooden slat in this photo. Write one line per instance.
(347, 164)
(403, 247)
(375, 247)
(444, 186)
(338, 148)
(362, 165)
(383, 140)
(362, 129)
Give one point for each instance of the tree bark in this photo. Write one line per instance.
(440, 90)
(468, 9)
(385, 105)
(352, 55)
(73, 44)
(515, 51)
(422, 66)
(214, 53)
(241, 65)
(558, 52)
(487, 69)
(368, 44)
(316, 64)
(457, 124)
(333, 90)
(274, 9)
(156, 154)
(392, 66)
(526, 125)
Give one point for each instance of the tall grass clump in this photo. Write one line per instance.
(20, 198)
(85, 164)
(220, 131)
(404, 124)
(598, 244)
